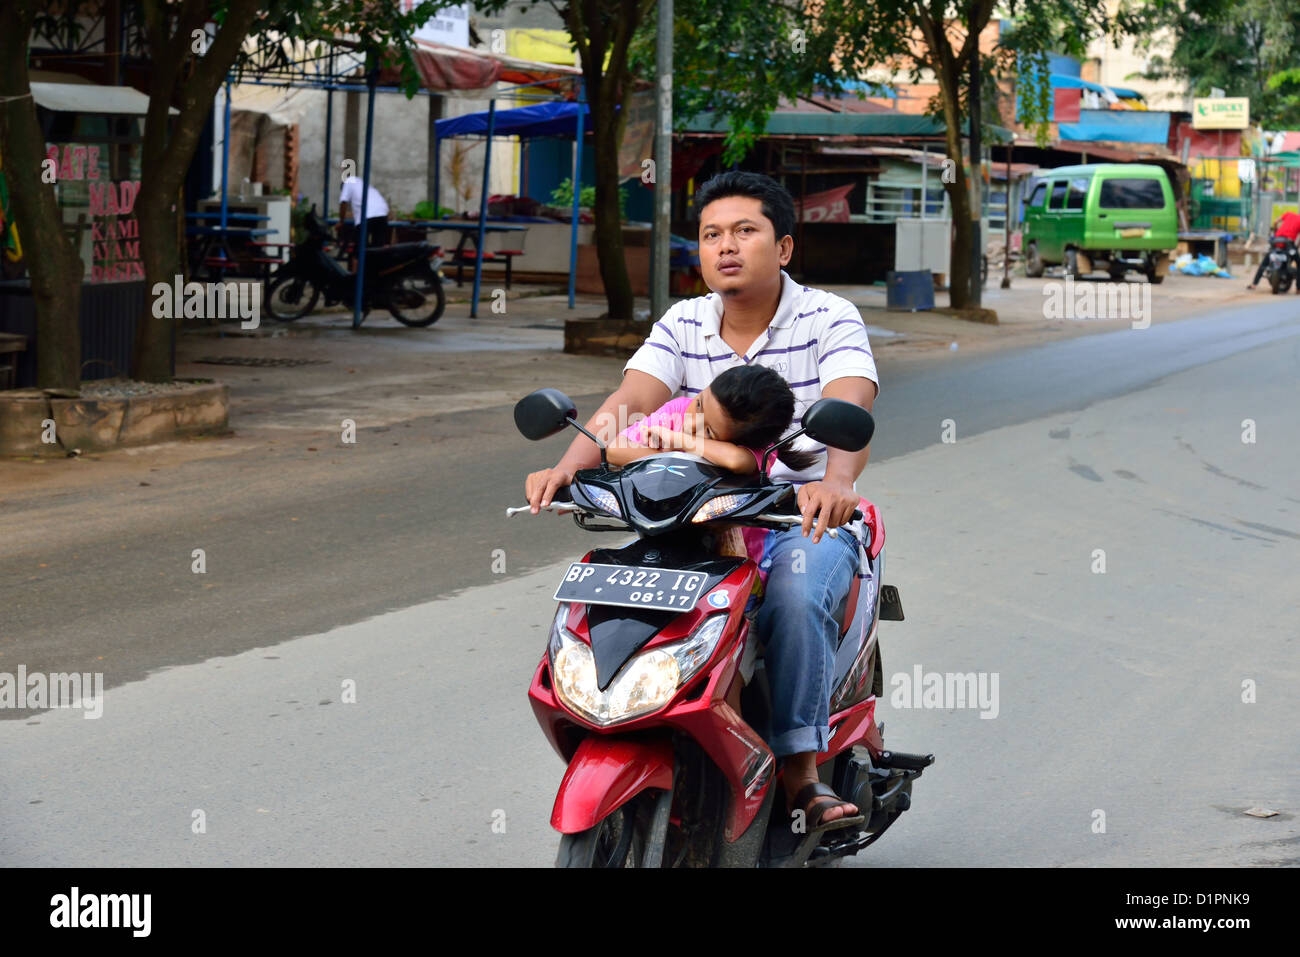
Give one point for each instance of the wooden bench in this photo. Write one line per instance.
(10, 345)
(466, 257)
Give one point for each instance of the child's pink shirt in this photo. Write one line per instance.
(671, 415)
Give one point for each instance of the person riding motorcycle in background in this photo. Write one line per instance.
(1286, 226)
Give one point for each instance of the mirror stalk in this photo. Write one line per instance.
(785, 441)
(604, 460)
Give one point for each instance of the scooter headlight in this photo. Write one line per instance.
(553, 644)
(644, 684)
(694, 652)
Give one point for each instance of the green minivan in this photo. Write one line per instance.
(1114, 216)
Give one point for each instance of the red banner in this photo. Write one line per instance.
(1065, 105)
(830, 206)
(1221, 143)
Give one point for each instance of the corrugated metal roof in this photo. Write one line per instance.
(840, 124)
(89, 98)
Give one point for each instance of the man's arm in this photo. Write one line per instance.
(831, 501)
(640, 393)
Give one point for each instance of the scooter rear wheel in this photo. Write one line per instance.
(291, 297)
(417, 299)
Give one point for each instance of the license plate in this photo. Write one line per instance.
(664, 589)
(1132, 233)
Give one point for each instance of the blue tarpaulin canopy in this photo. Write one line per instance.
(1120, 126)
(557, 118)
(540, 119)
(1075, 83)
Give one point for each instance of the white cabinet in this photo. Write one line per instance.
(922, 244)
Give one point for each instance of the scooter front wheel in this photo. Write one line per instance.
(614, 842)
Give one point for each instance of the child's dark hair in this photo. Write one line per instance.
(760, 404)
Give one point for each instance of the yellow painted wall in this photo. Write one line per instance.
(1227, 185)
(543, 46)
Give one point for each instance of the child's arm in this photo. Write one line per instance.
(728, 455)
(625, 454)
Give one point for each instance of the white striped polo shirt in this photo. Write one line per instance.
(814, 338)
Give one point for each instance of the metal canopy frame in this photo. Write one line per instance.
(334, 66)
(487, 159)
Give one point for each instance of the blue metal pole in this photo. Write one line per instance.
(577, 189)
(225, 158)
(329, 174)
(365, 195)
(482, 209)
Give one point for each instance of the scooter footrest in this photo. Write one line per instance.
(903, 760)
(891, 605)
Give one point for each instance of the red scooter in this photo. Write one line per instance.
(652, 639)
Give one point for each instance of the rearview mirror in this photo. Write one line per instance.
(544, 413)
(839, 424)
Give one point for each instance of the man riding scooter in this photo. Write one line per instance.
(1286, 226)
(817, 341)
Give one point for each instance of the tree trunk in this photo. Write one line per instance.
(599, 29)
(609, 224)
(52, 261)
(959, 254)
(166, 154)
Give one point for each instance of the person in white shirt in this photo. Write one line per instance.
(350, 213)
(817, 341)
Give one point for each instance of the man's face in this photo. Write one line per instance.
(739, 250)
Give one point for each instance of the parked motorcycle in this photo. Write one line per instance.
(402, 278)
(647, 643)
(1281, 264)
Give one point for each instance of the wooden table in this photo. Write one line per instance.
(10, 345)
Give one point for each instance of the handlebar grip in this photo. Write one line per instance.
(857, 515)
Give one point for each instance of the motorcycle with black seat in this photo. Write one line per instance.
(652, 639)
(402, 278)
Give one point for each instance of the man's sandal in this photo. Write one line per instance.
(817, 811)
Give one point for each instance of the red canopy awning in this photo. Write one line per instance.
(443, 67)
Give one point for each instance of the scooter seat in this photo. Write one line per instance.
(399, 252)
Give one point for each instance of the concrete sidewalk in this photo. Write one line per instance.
(297, 382)
(385, 372)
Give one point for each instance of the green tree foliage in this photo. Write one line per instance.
(1243, 47)
(738, 60)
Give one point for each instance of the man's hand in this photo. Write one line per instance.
(829, 503)
(541, 486)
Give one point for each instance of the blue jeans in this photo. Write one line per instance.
(805, 585)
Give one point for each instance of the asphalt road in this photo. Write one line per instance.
(1119, 692)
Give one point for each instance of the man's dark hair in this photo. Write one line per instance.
(778, 204)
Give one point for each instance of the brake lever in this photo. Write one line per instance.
(560, 507)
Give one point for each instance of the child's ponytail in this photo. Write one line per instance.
(761, 404)
(796, 460)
